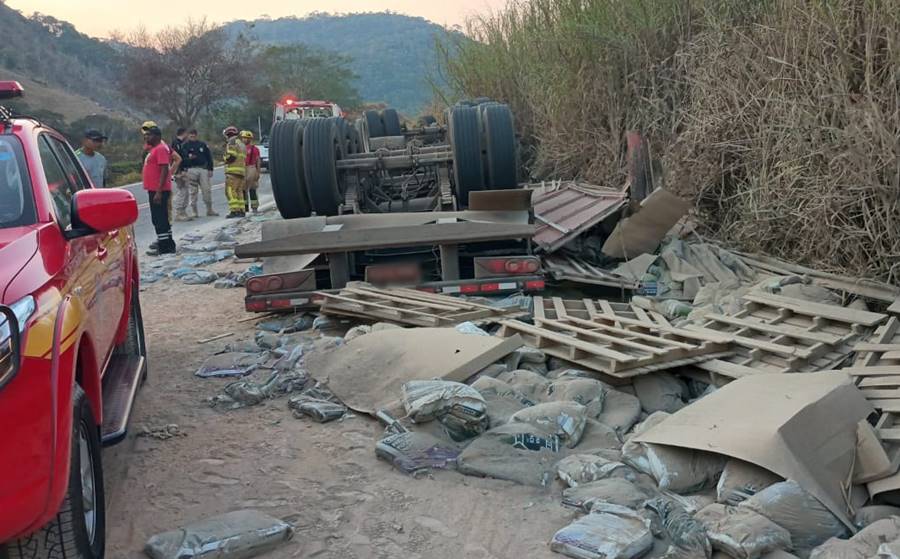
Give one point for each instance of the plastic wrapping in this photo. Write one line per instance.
(412, 452)
(318, 404)
(566, 419)
(741, 480)
(741, 533)
(246, 393)
(235, 535)
(687, 535)
(578, 469)
(589, 393)
(526, 358)
(809, 522)
(610, 533)
(616, 491)
(634, 453)
(470, 328)
(457, 406)
(231, 364)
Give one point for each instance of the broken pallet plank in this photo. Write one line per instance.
(831, 312)
(785, 330)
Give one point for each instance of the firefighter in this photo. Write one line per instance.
(235, 171)
(251, 178)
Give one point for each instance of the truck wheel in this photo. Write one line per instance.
(465, 141)
(374, 123)
(321, 151)
(79, 529)
(345, 140)
(428, 120)
(355, 141)
(391, 121)
(500, 144)
(362, 134)
(286, 169)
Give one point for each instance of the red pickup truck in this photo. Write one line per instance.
(72, 352)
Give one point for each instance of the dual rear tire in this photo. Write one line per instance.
(485, 151)
(303, 160)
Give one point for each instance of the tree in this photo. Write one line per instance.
(185, 71)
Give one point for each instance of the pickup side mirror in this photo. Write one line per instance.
(97, 210)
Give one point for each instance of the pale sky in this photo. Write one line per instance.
(99, 17)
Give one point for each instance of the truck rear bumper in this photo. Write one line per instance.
(307, 300)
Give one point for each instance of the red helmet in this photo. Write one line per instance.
(230, 131)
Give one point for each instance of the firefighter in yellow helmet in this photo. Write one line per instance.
(251, 178)
(235, 171)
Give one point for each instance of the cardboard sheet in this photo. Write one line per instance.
(802, 427)
(367, 373)
(643, 231)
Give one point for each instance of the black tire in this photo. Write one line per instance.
(67, 536)
(391, 121)
(286, 169)
(465, 141)
(321, 151)
(500, 147)
(345, 140)
(355, 141)
(374, 124)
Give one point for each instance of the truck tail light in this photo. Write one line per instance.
(304, 280)
(506, 266)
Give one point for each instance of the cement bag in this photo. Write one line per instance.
(688, 536)
(516, 452)
(235, 535)
(412, 451)
(565, 419)
(501, 399)
(598, 436)
(863, 545)
(589, 393)
(616, 491)
(683, 470)
(621, 411)
(532, 385)
(577, 469)
(742, 533)
(525, 356)
(889, 551)
(609, 533)
(790, 506)
(633, 453)
(660, 392)
(874, 513)
(741, 480)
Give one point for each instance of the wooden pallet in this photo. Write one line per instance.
(616, 346)
(557, 308)
(776, 334)
(407, 306)
(876, 372)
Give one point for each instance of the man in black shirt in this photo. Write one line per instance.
(198, 167)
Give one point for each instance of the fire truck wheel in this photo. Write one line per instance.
(374, 123)
(391, 121)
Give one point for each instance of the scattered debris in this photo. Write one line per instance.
(215, 338)
(230, 364)
(742, 533)
(235, 535)
(611, 532)
(170, 431)
(642, 232)
(317, 403)
(246, 393)
(412, 452)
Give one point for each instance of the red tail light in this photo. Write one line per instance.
(508, 266)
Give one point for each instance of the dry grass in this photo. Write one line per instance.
(780, 119)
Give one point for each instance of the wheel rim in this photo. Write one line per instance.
(88, 491)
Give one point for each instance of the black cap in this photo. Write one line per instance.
(153, 131)
(93, 134)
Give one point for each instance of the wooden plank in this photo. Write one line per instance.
(884, 334)
(384, 296)
(753, 343)
(888, 370)
(882, 394)
(385, 237)
(867, 347)
(611, 340)
(784, 330)
(887, 406)
(831, 312)
(560, 308)
(872, 382)
(889, 435)
(569, 341)
(728, 369)
(539, 307)
(638, 335)
(894, 309)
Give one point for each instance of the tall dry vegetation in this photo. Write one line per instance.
(780, 119)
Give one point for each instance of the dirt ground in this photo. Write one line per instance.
(324, 479)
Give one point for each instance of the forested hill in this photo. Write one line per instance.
(54, 54)
(392, 55)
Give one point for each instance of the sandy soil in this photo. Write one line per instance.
(324, 479)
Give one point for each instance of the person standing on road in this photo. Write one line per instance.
(157, 182)
(251, 177)
(182, 196)
(235, 171)
(198, 167)
(91, 159)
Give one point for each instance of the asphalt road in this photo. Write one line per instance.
(202, 225)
